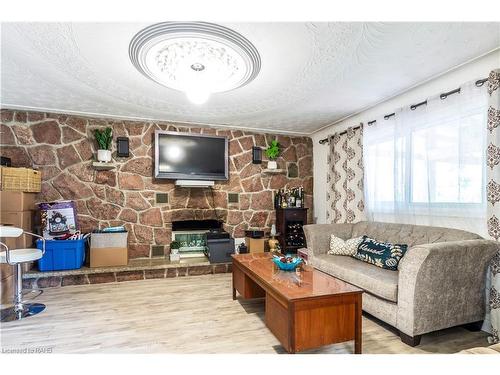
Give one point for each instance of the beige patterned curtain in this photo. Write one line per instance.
(493, 194)
(345, 192)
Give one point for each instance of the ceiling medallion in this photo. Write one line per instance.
(197, 58)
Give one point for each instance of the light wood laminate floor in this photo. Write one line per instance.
(183, 315)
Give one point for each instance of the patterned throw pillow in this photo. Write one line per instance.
(380, 254)
(340, 247)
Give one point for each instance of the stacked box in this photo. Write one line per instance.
(108, 249)
(16, 209)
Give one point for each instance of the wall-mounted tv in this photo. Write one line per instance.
(185, 156)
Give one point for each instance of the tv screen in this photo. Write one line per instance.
(184, 156)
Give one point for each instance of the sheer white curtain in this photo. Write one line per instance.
(427, 165)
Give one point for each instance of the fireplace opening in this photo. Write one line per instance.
(191, 235)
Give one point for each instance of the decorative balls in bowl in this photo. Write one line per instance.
(287, 262)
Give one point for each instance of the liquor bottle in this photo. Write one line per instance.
(302, 196)
(277, 203)
(292, 198)
(284, 203)
(298, 199)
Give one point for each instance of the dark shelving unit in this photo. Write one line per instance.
(289, 223)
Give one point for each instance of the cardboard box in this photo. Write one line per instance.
(14, 201)
(7, 290)
(108, 249)
(108, 256)
(23, 220)
(6, 270)
(256, 245)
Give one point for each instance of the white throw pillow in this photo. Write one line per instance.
(340, 247)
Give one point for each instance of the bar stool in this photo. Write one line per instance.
(17, 257)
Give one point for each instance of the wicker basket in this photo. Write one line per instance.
(20, 179)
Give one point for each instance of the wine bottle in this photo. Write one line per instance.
(298, 199)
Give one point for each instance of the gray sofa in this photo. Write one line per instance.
(440, 281)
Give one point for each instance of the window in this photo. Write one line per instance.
(427, 166)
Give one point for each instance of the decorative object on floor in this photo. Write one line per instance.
(340, 247)
(256, 155)
(380, 254)
(441, 264)
(197, 58)
(493, 194)
(103, 138)
(345, 191)
(272, 153)
(242, 248)
(287, 262)
(289, 223)
(16, 258)
(122, 147)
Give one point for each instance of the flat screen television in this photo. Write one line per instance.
(185, 156)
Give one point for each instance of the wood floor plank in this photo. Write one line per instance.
(183, 315)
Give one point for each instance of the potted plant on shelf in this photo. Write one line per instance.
(272, 153)
(103, 138)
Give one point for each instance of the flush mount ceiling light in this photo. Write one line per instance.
(197, 58)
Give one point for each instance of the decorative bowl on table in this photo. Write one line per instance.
(287, 262)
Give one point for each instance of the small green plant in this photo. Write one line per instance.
(273, 151)
(174, 245)
(103, 138)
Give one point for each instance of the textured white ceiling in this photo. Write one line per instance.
(312, 73)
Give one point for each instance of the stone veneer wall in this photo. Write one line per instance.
(62, 147)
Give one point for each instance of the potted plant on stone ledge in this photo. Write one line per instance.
(272, 153)
(103, 138)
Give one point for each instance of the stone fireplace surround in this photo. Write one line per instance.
(62, 147)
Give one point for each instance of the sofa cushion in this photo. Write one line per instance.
(340, 247)
(409, 234)
(378, 281)
(380, 254)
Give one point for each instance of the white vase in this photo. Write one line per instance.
(271, 164)
(174, 251)
(104, 156)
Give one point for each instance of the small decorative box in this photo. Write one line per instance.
(302, 253)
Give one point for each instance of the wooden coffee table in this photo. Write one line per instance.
(304, 309)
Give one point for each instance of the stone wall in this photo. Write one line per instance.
(63, 147)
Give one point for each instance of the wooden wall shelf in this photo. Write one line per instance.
(103, 166)
(274, 171)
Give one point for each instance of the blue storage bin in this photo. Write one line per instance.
(61, 255)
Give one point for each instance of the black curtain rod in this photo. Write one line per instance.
(341, 133)
(442, 96)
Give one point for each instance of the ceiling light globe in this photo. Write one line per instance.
(198, 96)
